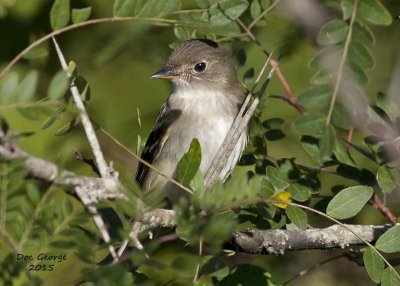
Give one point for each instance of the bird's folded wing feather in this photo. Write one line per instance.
(156, 140)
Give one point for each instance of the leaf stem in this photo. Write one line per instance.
(342, 62)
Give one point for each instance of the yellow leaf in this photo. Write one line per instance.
(284, 197)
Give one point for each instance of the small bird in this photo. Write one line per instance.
(206, 97)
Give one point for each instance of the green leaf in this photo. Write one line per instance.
(341, 155)
(274, 134)
(332, 53)
(341, 118)
(49, 121)
(390, 278)
(58, 85)
(248, 76)
(239, 59)
(388, 104)
(265, 4)
(374, 12)
(348, 202)
(124, 8)
(347, 8)
(317, 97)
(81, 15)
(297, 216)
(273, 123)
(197, 183)
(362, 34)
(190, 163)
(385, 179)
(225, 11)
(27, 87)
(59, 14)
(8, 88)
(29, 113)
(360, 54)
(267, 189)
(299, 192)
(213, 266)
(276, 178)
(68, 127)
(255, 9)
(156, 8)
(33, 192)
(327, 143)
(357, 72)
(321, 77)
(312, 123)
(310, 145)
(182, 33)
(333, 32)
(389, 242)
(373, 264)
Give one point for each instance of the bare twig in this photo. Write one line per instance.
(87, 125)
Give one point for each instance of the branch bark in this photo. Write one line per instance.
(251, 241)
(278, 241)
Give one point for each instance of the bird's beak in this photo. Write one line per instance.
(165, 74)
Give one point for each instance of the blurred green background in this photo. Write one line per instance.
(117, 59)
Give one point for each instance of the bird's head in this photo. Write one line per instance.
(199, 64)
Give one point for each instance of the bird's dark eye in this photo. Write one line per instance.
(200, 67)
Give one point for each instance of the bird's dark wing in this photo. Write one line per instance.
(156, 139)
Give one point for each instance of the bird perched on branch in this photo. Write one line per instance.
(205, 99)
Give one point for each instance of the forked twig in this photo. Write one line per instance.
(82, 192)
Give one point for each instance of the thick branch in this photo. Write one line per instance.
(278, 241)
(251, 241)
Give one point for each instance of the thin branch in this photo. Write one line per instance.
(342, 62)
(87, 125)
(75, 26)
(104, 170)
(289, 96)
